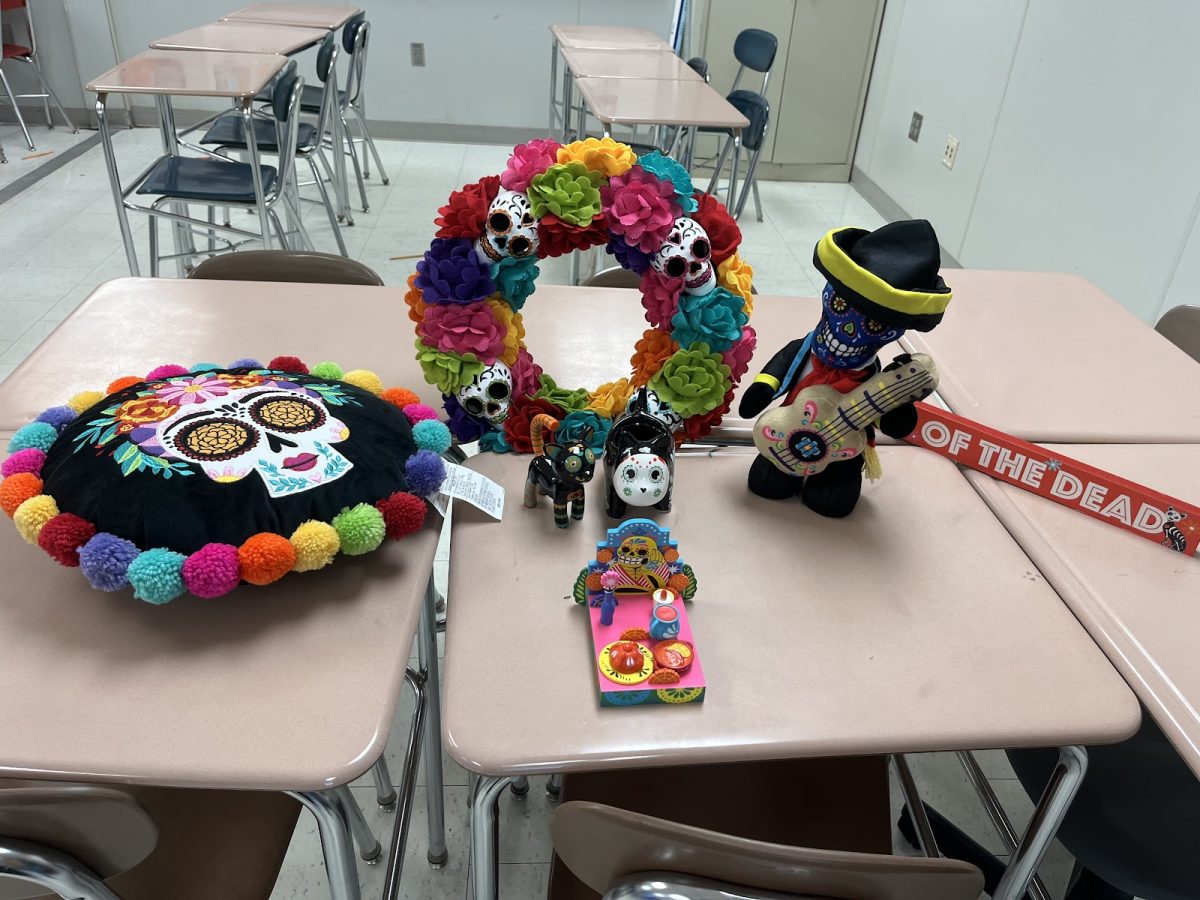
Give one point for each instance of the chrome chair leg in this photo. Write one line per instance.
(52, 869)
(731, 197)
(720, 164)
(329, 210)
(370, 142)
(3, 158)
(750, 185)
(153, 246)
(50, 97)
(758, 214)
(337, 846)
(408, 782)
(368, 846)
(16, 109)
(332, 175)
(484, 834)
(554, 785)
(434, 791)
(520, 786)
(349, 150)
(385, 793)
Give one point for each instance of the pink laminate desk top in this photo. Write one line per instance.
(130, 325)
(607, 37)
(646, 101)
(1051, 357)
(243, 37)
(307, 15)
(1138, 601)
(198, 73)
(654, 64)
(915, 624)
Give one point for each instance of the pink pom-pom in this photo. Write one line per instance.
(29, 460)
(528, 160)
(170, 370)
(419, 412)
(212, 570)
(288, 364)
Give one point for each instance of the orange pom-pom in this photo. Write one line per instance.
(400, 397)
(604, 556)
(403, 513)
(593, 583)
(678, 583)
(670, 554)
(16, 489)
(121, 383)
(265, 557)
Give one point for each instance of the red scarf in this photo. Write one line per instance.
(841, 380)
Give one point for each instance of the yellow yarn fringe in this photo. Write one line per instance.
(872, 467)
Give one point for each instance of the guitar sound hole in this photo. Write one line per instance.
(806, 445)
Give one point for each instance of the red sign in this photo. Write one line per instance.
(1131, 507)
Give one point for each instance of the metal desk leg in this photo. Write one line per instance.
(181, 234)
(485, 872)
(368, 846)
(554, 785)
(338, 138)
(428, 660)
(114, 182)
(336, 843)
(256, 173)
(408, 781)
(553, 85)
(1051, 810)
(568, 99)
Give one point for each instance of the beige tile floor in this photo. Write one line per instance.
(58, 240)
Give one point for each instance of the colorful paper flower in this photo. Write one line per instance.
(693, 380)
(667, 169)
(462, 424)
(558, 238)
(660, 297)
(528, 160)
(603, 155)
(451, 272)
(520, 414)
(641, 208)
(610, 399)
(631, 258)
(515, 279)
(465, 213)
(736, 275)
(572, 427)
(738, 356)
(715, 319)
(649, 354)
(566, 398)
(200, 389)
(526, 375)
(415, 300)
(697, 427)
(512, 328)
(447, 371)
(723, 232)
(463, 328)
(494, 442)
(570, 191)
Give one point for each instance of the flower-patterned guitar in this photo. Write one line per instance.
(823, 425)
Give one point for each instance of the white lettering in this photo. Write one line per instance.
(1119, 509)
(935, 434)
(1093, 496)
(1033, 473)
(961, 441)
(1149, 519)
(1010, 463)
(986, 451)
(1066, 486)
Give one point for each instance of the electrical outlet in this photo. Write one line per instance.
(914, 129)
(950, 154)
(418, 54)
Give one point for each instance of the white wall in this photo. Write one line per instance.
(55, 52)
(1077, 129)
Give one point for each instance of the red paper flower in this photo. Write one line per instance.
(520, 414)
(640, 207)
(465, 212)
(723, 232)
(660, 296)
(463, 328)
(558, 238)
(698, 426)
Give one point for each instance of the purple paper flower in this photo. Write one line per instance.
(450, 272)
(629, 256)
(463, 425)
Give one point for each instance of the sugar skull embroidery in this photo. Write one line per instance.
(846, 338)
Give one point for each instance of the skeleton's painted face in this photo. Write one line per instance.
(279, 430)
(657, 407)
(637, 552)
(642, 479)
(686, 254)
(489, 393)
(846, 338)
(511, 229)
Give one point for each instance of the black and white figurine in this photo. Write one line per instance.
(639, 460)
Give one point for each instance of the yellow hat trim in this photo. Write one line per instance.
(874, 288)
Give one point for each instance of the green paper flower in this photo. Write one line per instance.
(693, 380)
(567, 399)
(572, 426)
(715, 318)
(447, 371)
(569, 190)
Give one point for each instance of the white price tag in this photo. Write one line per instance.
(469, 486)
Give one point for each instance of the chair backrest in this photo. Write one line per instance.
(755, 49)
(355, 38)
(699, 65)
(1181, 326)
(295, 266)
(614, 276)
(603, 845)
(285, 104)
(327, 57)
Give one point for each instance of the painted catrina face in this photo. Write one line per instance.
(637, 552)
(511, 229)
(846, 338)
(642, 479)
(687, 254)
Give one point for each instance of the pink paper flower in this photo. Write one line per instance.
(738, 356)
(526, 375)
(463, 328)
(660, 296)
(609, 579)
(640, 207)
(192, 390)
(528, 160)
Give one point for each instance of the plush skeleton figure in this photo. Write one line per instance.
(687, 253)
(488, 395)
(657, 407)
(511, 229)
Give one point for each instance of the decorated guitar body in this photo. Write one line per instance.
(823, 425)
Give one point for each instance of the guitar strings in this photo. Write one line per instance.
(843, 429)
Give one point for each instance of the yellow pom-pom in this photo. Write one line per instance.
(85, 400)
(33, 514)
(365, 379)
(316, 544)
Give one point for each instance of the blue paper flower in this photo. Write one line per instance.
(715, 318)
(630, 257)
(669, 170)
(572, 426)
(494, 441)
(515, 279)
(450, 272)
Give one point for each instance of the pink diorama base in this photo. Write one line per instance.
(633, 611)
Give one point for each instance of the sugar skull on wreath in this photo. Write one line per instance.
(469, 291)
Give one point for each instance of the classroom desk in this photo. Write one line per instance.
(649, 101)
(234, 36)
(903, 628)
(305, 15)
(1050, 357)
(659, 65)
(1135, 599)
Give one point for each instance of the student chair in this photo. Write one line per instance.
(29, 56)
(629, 856)
(285, 265)
(754, 49)
(1181, 326)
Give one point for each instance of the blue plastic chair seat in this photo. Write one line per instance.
(230, 131)
(753, 106)
(205, 180)
(310, 98)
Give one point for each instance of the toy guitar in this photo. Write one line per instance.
(823, 425)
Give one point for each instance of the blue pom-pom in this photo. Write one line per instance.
(157, 575)
(431, 434)
(38, 435)
(245, 364)
(104, 561)
(424, 472)
(58, 417)
(204, 367)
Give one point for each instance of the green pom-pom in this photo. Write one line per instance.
(157, 575)
(570, 191)
(330, 371)
(431, 434)
(360, 529)
(35, 435)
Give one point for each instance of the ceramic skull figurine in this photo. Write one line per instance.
(657, 407)
(488, 394)
(510, 228)
(687, 253)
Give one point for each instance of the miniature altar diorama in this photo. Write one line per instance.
(634, 592)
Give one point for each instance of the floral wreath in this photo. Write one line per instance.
(469, 288)
(159, 575)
